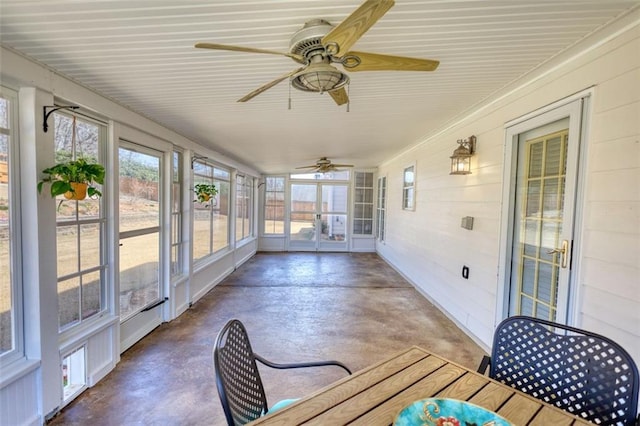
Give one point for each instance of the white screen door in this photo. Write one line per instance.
(543, 193)
(141, 292)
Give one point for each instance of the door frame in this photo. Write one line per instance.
(577, 109)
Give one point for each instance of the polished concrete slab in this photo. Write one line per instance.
(352, 307)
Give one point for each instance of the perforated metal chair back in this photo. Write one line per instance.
(237, 378)
(581, 372)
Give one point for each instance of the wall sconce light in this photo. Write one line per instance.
(461, 158)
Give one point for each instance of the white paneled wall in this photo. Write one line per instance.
(429, 247)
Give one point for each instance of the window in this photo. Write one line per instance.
(381, 208)
(80, 227)
(336, 175)
(363, 208)
(274, 205)
(11, 343)
(408, 188)
(177, 242)
(244, 206)
(211, 221)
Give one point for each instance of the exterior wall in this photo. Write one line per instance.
(429, 246)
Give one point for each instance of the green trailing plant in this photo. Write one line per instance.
(64, 176)
(204, 192)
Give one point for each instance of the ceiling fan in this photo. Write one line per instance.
(319, 44)
(324, 165)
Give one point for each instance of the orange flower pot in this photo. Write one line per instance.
(79, 191)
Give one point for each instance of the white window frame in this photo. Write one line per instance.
(381, 207)
(284, 208)
(101, 221)
(212, 249)
(17, 304)
(244, 189)
(409, 202)
(179, 242)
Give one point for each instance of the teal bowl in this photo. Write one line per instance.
(447, 412)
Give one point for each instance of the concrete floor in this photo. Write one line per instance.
(296, 307)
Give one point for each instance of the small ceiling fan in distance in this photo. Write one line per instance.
(318, 45)
(324, 165)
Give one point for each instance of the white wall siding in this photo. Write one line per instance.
(19, 401)
(429, 246)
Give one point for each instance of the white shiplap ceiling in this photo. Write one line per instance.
(140, 53)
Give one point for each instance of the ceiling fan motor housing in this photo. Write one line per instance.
(319, 75)
(307, 41)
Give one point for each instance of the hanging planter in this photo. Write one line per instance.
(74, 179)
(204, 192)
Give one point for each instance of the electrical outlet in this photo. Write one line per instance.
(465, 272)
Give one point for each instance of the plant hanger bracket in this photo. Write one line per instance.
(45, 125)
(196, 157)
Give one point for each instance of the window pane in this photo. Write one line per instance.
(6, 290)
(91, 297)
(201, 233)
(221, 217)
(69, 302)
(89, 246)
(67, 246)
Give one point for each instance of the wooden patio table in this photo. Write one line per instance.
(375, 395)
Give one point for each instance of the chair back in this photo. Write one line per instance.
(237, 378)
(578, 371)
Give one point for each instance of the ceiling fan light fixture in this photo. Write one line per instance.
(320, 78)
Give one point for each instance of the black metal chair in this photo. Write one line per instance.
(578, 371)
(238, 379)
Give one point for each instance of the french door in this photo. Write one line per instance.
(318, 217)
(543, 186)
(141, 290)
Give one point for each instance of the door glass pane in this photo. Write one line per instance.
(139, 190)
(333, 227)
(538, 227)
(303, 227)
(138, 273)
(334, 198)
(303, 198)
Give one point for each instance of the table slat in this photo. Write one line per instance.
(464, 388)
(519, 409)
(385, 413)
(375, 395)
(548, 416)
(492, 396)
(334, 394)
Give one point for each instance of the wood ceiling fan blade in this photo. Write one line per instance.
(340, 96)
(378, 62)
(268, 85)
(216, 46)
(340, 39)
(342, 165)
(315, 166)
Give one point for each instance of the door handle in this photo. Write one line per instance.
(563, 250)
